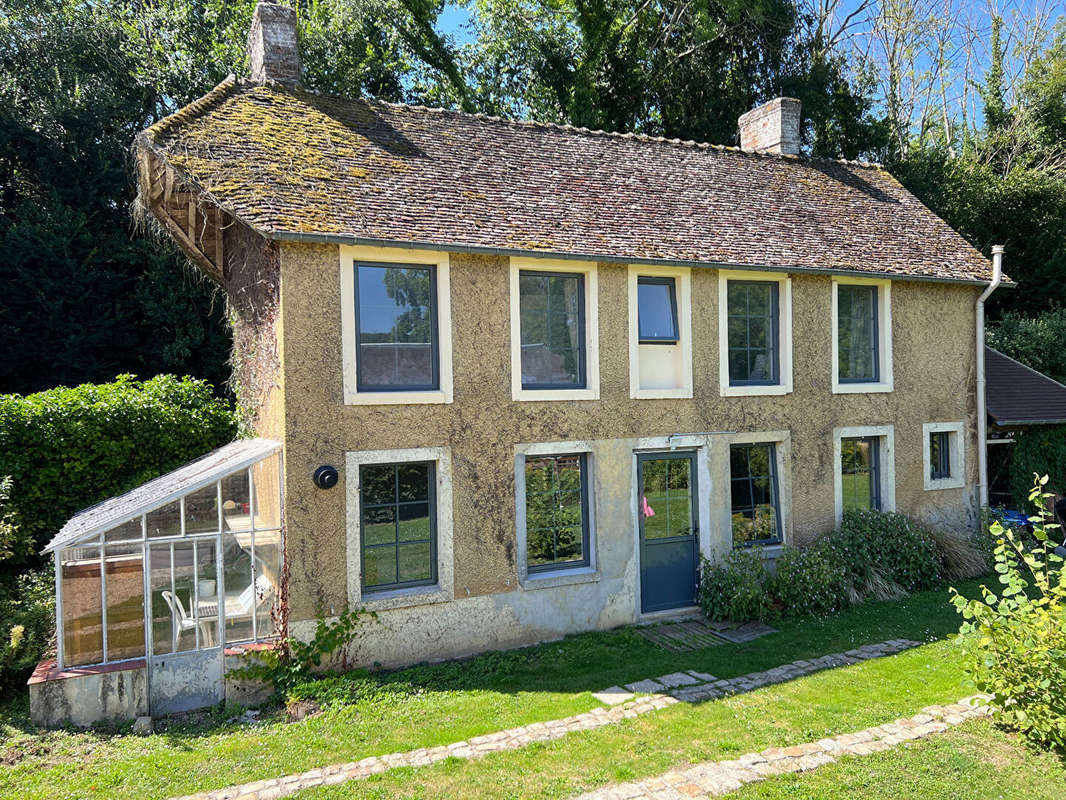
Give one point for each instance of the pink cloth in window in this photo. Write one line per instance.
(646, 509)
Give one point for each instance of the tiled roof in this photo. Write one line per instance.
(1018, 395)
(90, 522)
(289, 163)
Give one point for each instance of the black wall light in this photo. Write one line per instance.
(325, 477)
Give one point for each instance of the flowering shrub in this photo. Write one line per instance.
(737, 588)
(1015, 641)
(810, 580)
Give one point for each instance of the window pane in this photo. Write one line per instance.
(201, 510)
(857, 333)
(266, 483)
(397, 327)
(859, 478)
(397, 525)
(268, 578)
(752, 332)
(163, 618)
(165, 521)
(206, 606)
(556, 510)
(83, 637)
(666, 505)
(656, 309)
(125, 532)
(552, 329)
(124, 566)
(239, 594)
(236, 502)
(754, 493)
(939, 455)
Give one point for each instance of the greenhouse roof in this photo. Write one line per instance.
(165, 489)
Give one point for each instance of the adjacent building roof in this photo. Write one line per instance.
(295, 164)
(1018, 395)
(197, 474)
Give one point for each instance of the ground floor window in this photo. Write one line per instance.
(557, 511)
(756, 510)
(945, 456)
(398, 525)
(860, 473)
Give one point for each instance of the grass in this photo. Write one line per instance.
(438, 704)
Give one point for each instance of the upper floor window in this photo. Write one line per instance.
(397, 525)
(657, 310)
(945, 456)
(755, 333)
(396, 328)
(939, 455)
(756, 508)
(552, 319)
(557, 511)
(862, 343)
(753, 323)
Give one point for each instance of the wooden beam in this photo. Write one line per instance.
(192, 218)
(218, 242)
(187, 245)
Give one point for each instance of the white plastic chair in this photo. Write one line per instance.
(181, 617)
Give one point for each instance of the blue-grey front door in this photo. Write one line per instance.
(669, 530)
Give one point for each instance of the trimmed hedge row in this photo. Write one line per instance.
(66, 449)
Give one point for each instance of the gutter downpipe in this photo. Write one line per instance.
(982, 415)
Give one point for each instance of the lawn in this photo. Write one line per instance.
(430, 705)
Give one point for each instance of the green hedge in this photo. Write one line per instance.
(66, 449)
(1040, 450)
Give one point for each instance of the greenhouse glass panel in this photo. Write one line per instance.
(81, 599)
(124, 567)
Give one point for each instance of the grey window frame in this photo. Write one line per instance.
(775, 495)
(775, 334)
(431, 478)
(940, 466)
(875, 469)
(434, 385)
(671, 283)
(582, 382)
(586, 560)
(875, 332)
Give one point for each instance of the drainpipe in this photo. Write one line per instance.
(982, 415)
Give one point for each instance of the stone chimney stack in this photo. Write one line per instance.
(773, 127)
(272, 50)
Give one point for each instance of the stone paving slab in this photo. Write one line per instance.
(613, 695)
(514, 738)
(744, 632)
(715, 778)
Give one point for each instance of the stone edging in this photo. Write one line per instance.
(688, 687)
(721, 777)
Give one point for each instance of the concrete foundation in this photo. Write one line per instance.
(85, 696)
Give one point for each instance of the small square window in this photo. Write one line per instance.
(557, 512)
(657, 310)
(552, 325)
(857, 334)
(753, 333)
(396, 328)
(756, 508)
(939, 455)
(398, 525)
(860, 473)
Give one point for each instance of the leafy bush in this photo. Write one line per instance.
(901, 549)
(810, 581)
(1015, 642)
(69, 448)
(736, 588)
(27, 617)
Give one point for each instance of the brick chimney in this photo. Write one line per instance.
(773, 127)
(273, 54)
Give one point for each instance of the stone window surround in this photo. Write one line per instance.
(884, 338)
(441, 592)
(591, 390)
(784, 299)
(957, 442)
(683, 284)
(349, 255)
(563, 576)
(886, 452)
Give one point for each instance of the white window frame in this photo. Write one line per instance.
(886, 452)
(562, 576)
(683, 287)
(444, 589)
(957, 442)
(784, 328)
(884, 338)
(349, 256)
(591, 391)
(782, 442)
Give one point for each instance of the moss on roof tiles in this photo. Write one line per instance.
(290, 161)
